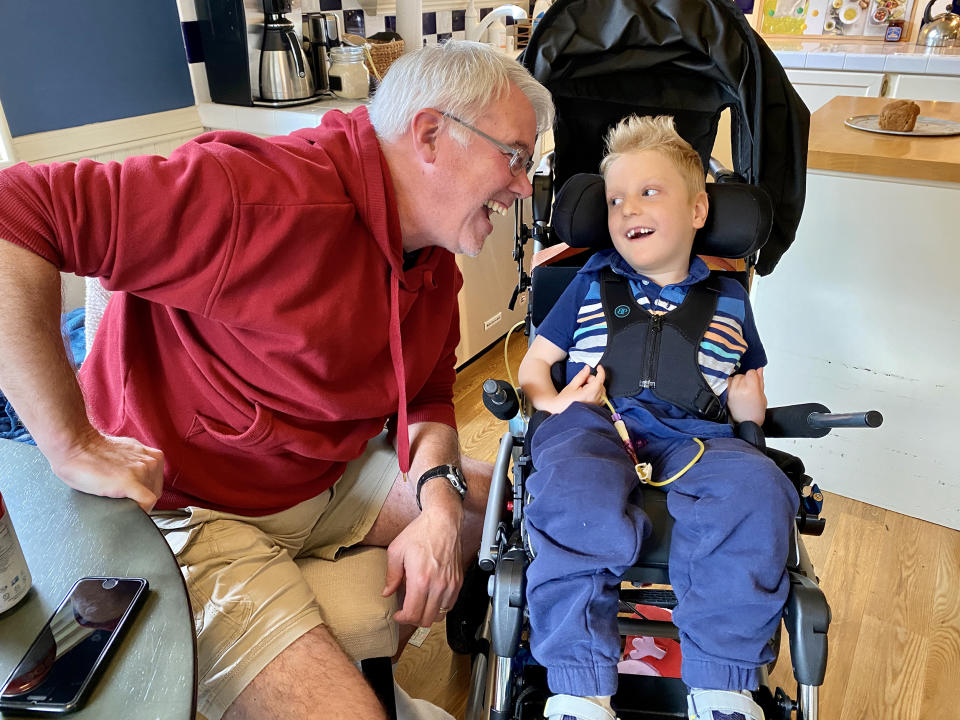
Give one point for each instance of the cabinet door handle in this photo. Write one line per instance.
(884, 85)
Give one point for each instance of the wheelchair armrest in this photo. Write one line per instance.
(813, 420)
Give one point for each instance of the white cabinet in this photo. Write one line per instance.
(818, 87)
(488, 281)
(925, 87)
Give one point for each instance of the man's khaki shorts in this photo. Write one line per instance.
(248, 596)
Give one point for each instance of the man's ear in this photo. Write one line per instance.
(701, 206)
(425, 130)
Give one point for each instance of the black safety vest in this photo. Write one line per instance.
(659, 352)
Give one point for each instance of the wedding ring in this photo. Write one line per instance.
(443, 611)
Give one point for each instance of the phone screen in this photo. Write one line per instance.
(58, 668)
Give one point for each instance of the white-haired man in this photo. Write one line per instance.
(279, 301)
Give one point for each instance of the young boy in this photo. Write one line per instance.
(733, 507)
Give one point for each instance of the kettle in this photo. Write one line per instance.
(942, 30)
(284, 71)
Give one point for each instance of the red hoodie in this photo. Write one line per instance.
(257, 340)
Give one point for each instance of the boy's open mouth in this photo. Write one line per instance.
(639, 232)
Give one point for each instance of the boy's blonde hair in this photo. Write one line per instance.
(635, 133)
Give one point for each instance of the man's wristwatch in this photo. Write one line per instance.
(453, 475)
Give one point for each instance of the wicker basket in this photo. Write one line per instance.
(380, 55)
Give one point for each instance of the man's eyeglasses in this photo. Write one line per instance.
(520, 160)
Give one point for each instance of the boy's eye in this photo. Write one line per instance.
(647, 192)
(615, 201)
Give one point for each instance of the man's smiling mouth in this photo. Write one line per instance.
(496, 207)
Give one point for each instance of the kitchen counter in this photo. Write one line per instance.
(901, 57)
(270, 121)
(834, 146)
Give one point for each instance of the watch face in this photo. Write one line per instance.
(457, 480)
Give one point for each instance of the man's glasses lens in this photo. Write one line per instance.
(520, 160)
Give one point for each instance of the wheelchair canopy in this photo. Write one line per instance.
(606, 59)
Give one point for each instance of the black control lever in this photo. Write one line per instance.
(500, 399)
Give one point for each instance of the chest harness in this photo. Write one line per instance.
(667, 347)
(659, 352)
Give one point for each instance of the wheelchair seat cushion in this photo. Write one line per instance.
(738, 223)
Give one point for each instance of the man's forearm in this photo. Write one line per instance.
(35, 374)
(433, 444)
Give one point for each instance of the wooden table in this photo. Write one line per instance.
(66, 535)
(835, 146)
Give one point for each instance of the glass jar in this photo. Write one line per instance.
(349, 78)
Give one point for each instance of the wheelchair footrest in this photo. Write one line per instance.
(658, 597)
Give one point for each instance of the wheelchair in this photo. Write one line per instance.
(604, 60)
(506, 683)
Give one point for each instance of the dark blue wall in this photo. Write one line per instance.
(65, 63)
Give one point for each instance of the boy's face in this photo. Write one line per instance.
(651, 216)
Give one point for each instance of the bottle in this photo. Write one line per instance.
(349, 78)
(471, 19)
(15, 578)
(497, 35)
(894, 30)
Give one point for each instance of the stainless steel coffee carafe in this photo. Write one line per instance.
(285, 73)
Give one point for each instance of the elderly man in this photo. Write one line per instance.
(280, 301)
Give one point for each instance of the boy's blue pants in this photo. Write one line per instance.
(734, 512)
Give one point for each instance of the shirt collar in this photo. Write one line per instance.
(698, 268)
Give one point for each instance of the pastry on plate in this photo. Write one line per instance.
(899, 115)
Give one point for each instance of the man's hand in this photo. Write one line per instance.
(745, 397)
(584, 387)
(117, 467)
(426, 554)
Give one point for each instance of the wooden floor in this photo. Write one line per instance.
(893, 584)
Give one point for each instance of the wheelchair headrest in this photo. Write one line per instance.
(738, 223)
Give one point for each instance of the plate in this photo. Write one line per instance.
(925, 127)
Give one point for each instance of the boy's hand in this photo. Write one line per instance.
(745, 398)
(584, 387)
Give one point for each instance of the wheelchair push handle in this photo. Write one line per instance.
(813, 420)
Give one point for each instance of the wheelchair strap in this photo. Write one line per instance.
(669, 362)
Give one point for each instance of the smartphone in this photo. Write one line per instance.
(59, 669)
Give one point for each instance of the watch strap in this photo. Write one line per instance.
(451, 473)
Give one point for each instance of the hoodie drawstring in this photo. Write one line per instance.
(396, 355)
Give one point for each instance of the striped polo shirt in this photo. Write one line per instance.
(577, 325)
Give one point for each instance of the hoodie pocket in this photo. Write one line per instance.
(259, 434)
(269, 434)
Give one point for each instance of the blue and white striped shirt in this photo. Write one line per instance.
(731, 344)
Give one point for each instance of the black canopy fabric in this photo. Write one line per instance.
(605, 59)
